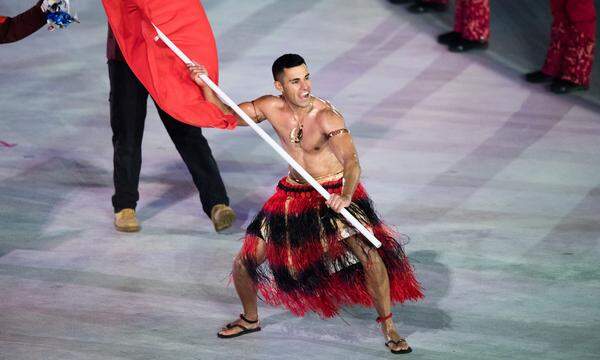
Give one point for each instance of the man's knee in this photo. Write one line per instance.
(373, 258)
(367, 254)
(359, 248)
(239, 265)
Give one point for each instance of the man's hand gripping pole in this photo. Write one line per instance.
(351, 219)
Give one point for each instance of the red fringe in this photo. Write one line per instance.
(250, 245)
(340, 292)
(324, 294)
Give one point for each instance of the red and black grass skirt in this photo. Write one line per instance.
(308, 266)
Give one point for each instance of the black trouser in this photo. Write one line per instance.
(128, 102)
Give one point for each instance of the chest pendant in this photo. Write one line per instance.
(296, 135)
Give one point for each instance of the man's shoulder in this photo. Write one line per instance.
(326, 112)
(268, 99)
(329, 120)
(268, 103)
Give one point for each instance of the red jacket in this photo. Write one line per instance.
(16, 28)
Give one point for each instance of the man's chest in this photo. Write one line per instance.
(306, 137)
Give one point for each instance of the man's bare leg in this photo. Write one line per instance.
(246, 291)
(378, 286)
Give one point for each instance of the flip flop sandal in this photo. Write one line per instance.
(398, 342)
(244, 331)
(382, 319)
(233, 324)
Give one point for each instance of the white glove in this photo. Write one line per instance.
(53, 5)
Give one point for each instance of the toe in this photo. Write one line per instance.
(400, 345)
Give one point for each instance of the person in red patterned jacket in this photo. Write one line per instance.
(570, 55)
(16, 28)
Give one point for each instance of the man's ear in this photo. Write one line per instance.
(278, 86)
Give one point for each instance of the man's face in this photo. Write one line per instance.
(295, 85)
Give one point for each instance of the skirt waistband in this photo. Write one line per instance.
(328, 182)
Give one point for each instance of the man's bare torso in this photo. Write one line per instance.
(313, 152)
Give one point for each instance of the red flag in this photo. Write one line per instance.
(162, 72)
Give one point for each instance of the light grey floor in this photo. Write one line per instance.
(496, 181)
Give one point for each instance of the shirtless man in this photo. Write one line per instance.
(298, 252)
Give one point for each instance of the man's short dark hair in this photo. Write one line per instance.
(286, 61)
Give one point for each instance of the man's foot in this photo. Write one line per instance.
(222, 217)
(466, 45)
(239, 327)
(396, 343)
(538, 77)
(126, 221)
(420, 7)
(560, 86)
(449, 38)
(393, 341)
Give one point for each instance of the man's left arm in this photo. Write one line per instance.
(342, 146)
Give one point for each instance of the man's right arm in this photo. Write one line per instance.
(252, 108)
(22, 25)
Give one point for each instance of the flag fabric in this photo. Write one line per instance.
(163, 74)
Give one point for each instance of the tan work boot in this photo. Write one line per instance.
(222, 216)
(126, 221)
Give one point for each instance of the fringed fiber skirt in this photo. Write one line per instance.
(308, 266)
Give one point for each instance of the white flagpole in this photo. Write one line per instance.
(351, 219)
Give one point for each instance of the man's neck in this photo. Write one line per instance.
(300, 110)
